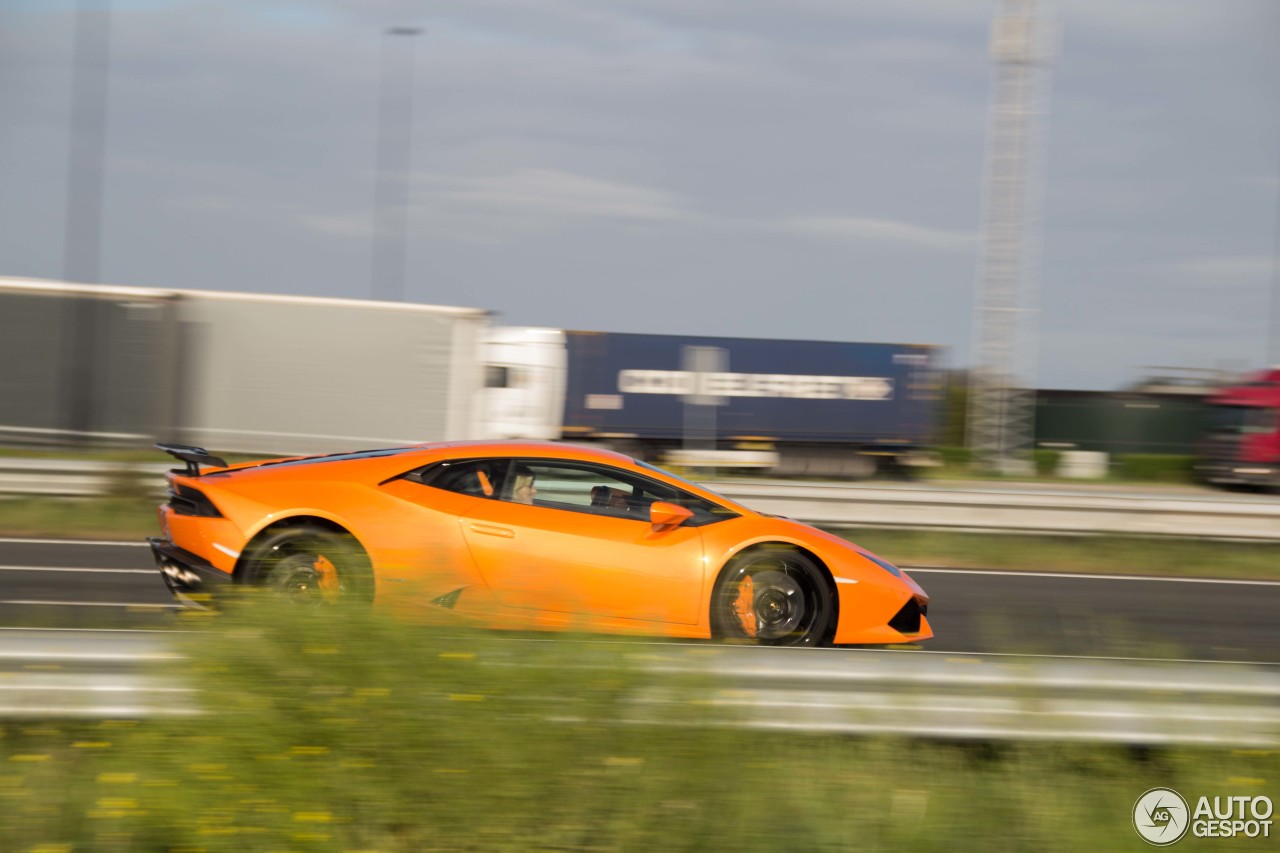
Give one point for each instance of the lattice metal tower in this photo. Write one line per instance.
(1001, 415)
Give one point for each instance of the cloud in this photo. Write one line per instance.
(353, 226)
(1162, 20)
(550, 192)
(881, 231)
(1270, 183)
(1168, 20)
(487, 208)
(207, 203)
(1223, 267)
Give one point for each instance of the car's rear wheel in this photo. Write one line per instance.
(311, 567)
(777, 597)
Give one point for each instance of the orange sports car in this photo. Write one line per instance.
(525, 535)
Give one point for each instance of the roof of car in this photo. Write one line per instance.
(438, 450)
(527, 447)
(380, 465)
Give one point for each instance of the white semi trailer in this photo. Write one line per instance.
(238, 372)
(270, 374)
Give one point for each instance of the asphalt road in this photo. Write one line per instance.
(49, 584)
(68, 585)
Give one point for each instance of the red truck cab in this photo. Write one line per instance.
(1241, 444)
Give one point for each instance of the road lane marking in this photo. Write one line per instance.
(1059, 656)
(138, 604)
(78, 569)
(35, 632)
(1083, 576)
(98, 542)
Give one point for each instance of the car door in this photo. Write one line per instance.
(585, 544)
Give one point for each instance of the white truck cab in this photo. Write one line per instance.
(524, 383)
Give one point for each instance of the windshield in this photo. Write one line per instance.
(680, 479)
(1247, 420)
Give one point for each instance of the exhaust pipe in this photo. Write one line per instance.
(179, 577)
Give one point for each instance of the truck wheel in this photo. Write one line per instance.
(777, 597)
(833, 463)
(312, 567)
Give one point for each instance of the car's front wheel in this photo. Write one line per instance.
(311, 567)
(777, 597)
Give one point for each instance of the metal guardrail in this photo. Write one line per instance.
(957, 697)
(87, 674)
(840, 691)
(80, 479)
(1065, 511)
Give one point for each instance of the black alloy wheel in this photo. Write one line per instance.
(777, 597)
(311, 567)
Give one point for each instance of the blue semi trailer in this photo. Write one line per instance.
(796, 408)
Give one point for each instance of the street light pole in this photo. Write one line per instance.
(88, 140)
(391, 183)
(1273, 320)
(82, 249)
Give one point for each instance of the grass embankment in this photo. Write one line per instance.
(353, 732)
(79, 518)
(1164, 557)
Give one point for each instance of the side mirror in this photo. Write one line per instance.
(663, 514)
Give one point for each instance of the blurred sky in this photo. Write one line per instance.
(794, 168)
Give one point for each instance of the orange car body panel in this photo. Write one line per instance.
(541, 558)
(511, 565)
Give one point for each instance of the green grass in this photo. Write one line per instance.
(79, 518)
(1100, 554)
(343, 732)
(86, 454)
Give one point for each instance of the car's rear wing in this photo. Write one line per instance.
(193, 456)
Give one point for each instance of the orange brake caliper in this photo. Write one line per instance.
(327, 573)
(744, 606)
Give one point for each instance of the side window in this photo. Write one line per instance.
(600, 490)
(563, 485)
(481, 478)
